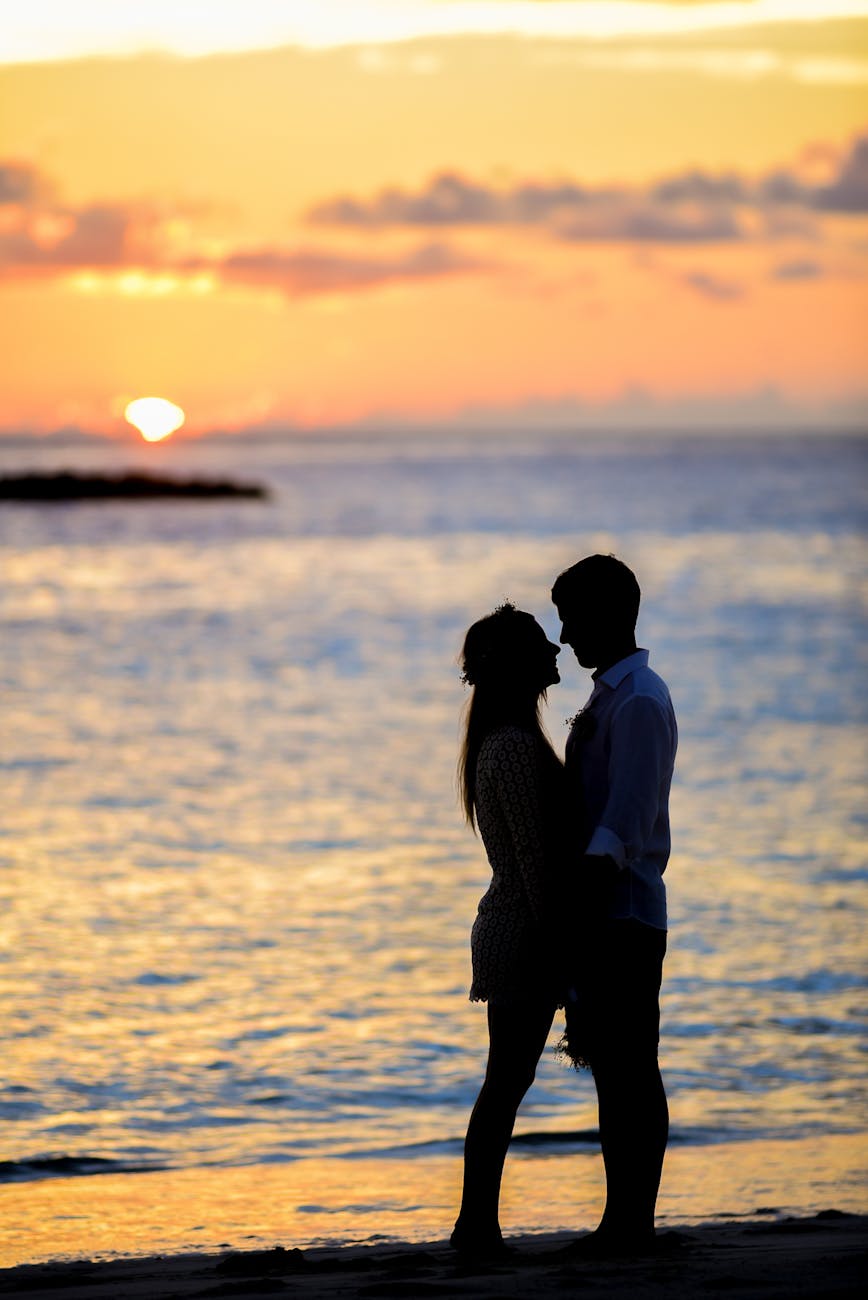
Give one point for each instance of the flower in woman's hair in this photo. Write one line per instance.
(582, 725)
(472, 668)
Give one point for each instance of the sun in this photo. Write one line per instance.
(154, 417)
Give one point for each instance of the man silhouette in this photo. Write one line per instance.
(620, 757)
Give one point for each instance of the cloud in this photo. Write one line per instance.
(377, 60)
(309, 271)
(51, 239)
(448, 200)
(713, 286)
(849, 191)
(642, 221)
(783, 188)
(751, 64)
(698, 187)
(43, 30)
(573, 212)
(19, 183)
(692, 206)
(42, 238)
(799, 269)
(95, 236)
(39, 234)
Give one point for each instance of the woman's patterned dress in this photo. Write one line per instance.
(518, 789)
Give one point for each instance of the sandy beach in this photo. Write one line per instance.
(824, 1255)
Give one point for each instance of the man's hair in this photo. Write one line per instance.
(602, 583)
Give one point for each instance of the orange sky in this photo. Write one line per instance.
(460, 226)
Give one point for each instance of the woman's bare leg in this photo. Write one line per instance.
(517, 1036)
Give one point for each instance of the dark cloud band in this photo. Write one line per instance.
(693, 206)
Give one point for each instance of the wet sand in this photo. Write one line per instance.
(825, 1255)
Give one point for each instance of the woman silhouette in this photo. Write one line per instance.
(511, 786)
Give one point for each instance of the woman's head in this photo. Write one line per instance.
(508, 661)
(508, 654)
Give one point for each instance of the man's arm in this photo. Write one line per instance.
(639, 757)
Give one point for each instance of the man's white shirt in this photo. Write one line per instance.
(624, 761)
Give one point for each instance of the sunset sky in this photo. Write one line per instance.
(435, 212)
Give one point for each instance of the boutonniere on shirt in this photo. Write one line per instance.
(582, 725)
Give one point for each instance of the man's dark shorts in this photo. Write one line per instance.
(618, 1012)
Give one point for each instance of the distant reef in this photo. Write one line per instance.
(68, 486)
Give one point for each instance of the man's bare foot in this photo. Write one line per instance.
(605, 1243)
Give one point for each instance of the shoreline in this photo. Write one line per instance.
(332, 1203)
(823, 1255)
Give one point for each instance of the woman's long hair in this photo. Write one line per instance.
(501, 663)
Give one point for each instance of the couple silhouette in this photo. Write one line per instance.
(575, 915)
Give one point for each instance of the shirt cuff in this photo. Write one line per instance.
(605, 844)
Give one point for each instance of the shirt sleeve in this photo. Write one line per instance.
(517, 782)
(640, 757)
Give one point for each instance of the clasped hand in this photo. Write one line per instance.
(596, 874)
(589, 887)
(575, 924)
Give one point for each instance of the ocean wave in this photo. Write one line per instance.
(19, 1171)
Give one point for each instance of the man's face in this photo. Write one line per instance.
(577, 631)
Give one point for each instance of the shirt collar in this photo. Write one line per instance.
(614, 676)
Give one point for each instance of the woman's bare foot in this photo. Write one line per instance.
(479, 1244)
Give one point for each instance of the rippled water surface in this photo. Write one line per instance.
(235, 891)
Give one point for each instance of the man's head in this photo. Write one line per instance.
(598, 603)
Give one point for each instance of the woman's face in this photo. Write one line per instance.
(544, 658)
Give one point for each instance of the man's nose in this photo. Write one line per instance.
(563, 636)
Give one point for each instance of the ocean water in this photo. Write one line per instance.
(235, 887)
